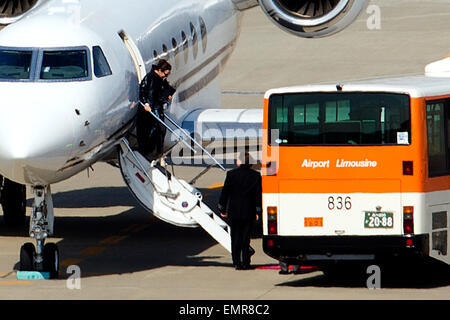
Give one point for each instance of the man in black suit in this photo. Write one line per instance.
(240, 202)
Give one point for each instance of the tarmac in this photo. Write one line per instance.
(123, 253)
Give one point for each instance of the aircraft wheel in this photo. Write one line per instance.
(51, 260)
(27, 253)
(14, 203)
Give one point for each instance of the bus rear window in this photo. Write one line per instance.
(64, 64)
(15, 64)
(339, 119)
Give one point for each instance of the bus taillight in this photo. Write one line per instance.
(271, 168)
(407, 168)
(272, 220)
(408, 220)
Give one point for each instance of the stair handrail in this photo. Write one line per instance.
(164, 194)
(194, 141)
(180, 138)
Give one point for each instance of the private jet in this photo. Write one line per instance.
(69, 87)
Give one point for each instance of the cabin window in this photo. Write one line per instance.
(15, 64)
(174, 44)
(203, 33)
(175, 50)
(194, 41)
(101, 66)
(437, 137)
(185, 46)
(64, 65)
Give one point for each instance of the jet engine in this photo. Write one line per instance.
(13, 10)
(313, 18)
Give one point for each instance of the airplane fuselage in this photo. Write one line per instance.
(53, 125)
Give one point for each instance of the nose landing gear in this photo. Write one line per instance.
(41, 258)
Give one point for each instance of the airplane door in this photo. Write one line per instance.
(135, 55)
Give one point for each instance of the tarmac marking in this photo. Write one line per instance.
(106, 243)
(134, 228)
(70, 262)
(278, 267)
(129, 228)
(6, 275)
(113, 240)
(15, 283)
(243, 92)
(215, 186)
(422, 16)
(91, 251)
(140, 228)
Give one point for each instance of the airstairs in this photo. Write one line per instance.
(168, 198)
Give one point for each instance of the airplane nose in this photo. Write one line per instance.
(34, 143)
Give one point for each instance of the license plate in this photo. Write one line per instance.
(313, 222)
(378, 219)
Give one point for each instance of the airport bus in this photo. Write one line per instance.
(357, 171)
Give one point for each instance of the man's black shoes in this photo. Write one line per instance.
(282, 271)
(244, 267)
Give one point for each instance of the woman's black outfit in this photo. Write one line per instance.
(150, 132)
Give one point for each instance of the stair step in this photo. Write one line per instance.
(172, 200)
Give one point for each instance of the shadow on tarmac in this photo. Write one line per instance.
(128, 242)
(425, 274)
(145, 243)
(118, 245)
(99, 197)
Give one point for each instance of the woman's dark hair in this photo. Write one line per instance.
(163, 65)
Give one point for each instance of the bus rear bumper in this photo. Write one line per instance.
(310, 249)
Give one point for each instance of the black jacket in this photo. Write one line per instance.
(168, 91)
(241, 196)
(155, 91)
(151, 90)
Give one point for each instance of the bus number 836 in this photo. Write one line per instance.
(339, 203)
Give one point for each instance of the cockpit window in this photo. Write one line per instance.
(101, 66)
(64, 64)
(15, 64)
